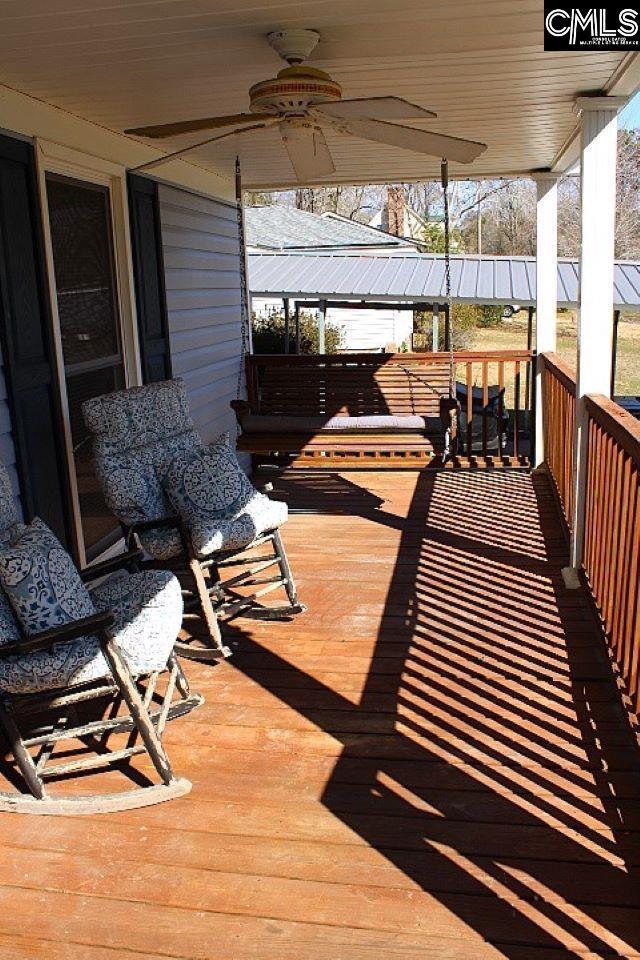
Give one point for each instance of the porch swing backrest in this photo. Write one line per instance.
(347, 386)
(136, 432)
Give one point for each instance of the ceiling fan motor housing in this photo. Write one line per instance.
(293, 90)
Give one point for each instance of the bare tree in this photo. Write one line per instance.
(507, 208)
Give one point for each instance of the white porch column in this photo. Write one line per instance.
(599, 135)
(546, 287)
(322, 317)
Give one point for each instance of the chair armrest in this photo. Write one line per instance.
(96, 623)
(121, 561)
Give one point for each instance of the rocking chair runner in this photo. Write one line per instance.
(137, 434)
(104, 657)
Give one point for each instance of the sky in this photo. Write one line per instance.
(630, 116)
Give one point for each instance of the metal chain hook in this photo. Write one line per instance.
(444, 175)
(244, 300)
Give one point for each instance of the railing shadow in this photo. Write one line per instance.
(498, 783)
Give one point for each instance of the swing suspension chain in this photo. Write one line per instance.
(444, 175)
(244, 302)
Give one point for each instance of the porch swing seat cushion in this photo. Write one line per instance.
(378, 423)
(148, 615)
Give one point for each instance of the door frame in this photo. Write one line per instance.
(55, 158)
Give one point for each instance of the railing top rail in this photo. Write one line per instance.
(561, 371)
(620, 424)
(381, 359)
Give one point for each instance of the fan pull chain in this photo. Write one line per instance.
(444, 175)
(244, 300)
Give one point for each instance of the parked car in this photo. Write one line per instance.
(510, 309)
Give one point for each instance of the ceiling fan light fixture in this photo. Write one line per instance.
(294, 46)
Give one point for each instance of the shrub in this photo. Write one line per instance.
(268, 333)
(464, 324)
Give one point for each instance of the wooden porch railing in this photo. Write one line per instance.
(612, 532)
(559, 414)
(611, 560)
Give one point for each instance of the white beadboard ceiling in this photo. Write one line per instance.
(479, 65)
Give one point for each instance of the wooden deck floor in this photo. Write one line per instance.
(431, 764)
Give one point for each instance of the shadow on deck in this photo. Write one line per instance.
(433, 762)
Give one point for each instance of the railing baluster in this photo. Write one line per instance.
(469, 409)
(516, 412)
(500, 404)
(485, 403)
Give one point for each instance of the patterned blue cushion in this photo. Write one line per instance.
(136, 432)
(209, 490)
(139, 415)
(148, 615)
(41, 581)
(206, 483)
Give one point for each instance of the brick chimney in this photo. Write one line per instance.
(396, 207)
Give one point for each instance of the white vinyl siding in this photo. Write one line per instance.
(202, 274)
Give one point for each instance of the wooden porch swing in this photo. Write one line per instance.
(379, 410)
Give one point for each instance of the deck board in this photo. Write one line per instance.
(433, 762)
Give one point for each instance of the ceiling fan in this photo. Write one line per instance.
(302, 100)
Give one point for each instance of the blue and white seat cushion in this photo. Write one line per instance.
(41, 581)
(148, 614)
(137, 433)
(209, 490)
(132, 488)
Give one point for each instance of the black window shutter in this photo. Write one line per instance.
(148, 270)
(27, 344)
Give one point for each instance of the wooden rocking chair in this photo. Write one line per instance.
(136, 433)
(50, 715)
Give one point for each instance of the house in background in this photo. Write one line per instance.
(397, 217)
(287, 230)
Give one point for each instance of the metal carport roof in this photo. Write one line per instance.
(420, 277)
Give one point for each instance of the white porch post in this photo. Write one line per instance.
(435, 327)
(546, 287)
(599, 132)
(322, 317)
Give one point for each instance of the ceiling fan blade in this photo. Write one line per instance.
(418, 141)
(192, 126)
(374, 108)
(308, 151)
